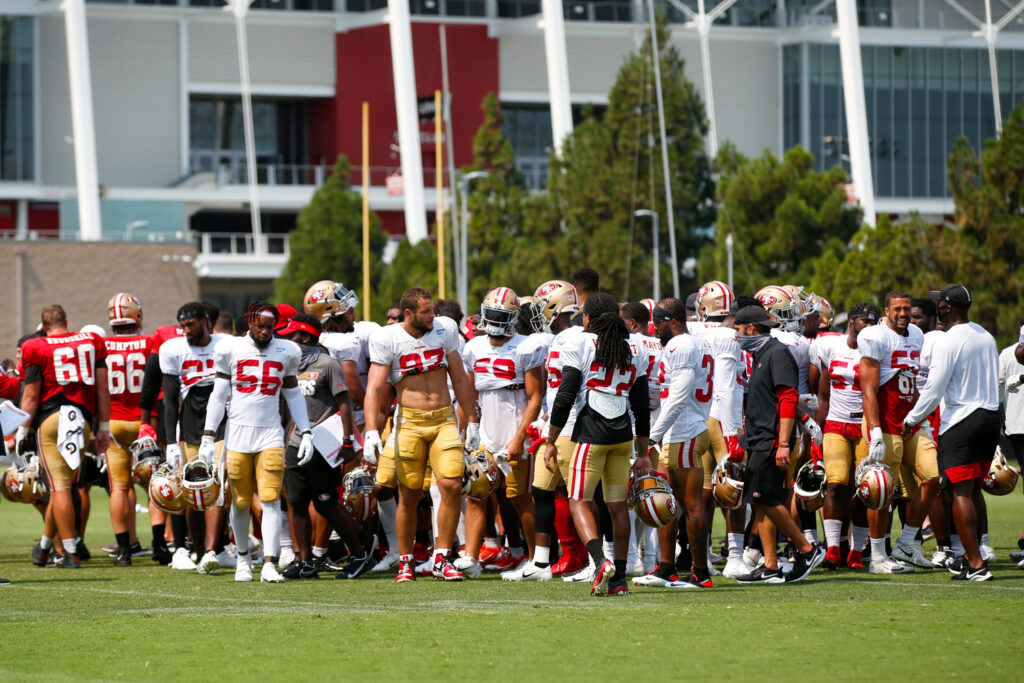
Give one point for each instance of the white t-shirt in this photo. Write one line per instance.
(840, 367)
(964, 376)
(257, 375)
(1009, 367)
(687, 367)
(554, 367)
(494, 369)
(391, 345)
(192, 365)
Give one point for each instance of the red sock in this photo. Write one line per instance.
(566, 530)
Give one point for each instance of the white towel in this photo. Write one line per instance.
(71, 435)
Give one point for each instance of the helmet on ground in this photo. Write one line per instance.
(482, 475)
(1002, 477)
(498, 313)
(727, 484)
(22, 484)
(713, 300)
(165, 489)
(876, 485)
(146, 457)
(326, 299)
(124, 309)
(359, 496)
(782, 305)
(199, 485)
(809, 486)
(652, 500)
(551, 299)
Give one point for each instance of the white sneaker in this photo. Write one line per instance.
(585, 574)
(286, 557)
(514, 574)
(752, 557)
(469, 567)
(736, 568)
(988, 553)
(910, 553)
(887, 565)
(532, 572)
(182, 560)
(269, 574)
(942, 557)
(209, 563)
(386, 563)
(226, 559)
(651, 579)
(243, 568)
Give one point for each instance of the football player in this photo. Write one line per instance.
(603, 375)
(417, 356)
(890, 357)
(255, 371)
(506, 370)
(65, 391)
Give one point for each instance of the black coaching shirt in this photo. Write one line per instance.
(773, 366)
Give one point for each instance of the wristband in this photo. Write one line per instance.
(104, 426)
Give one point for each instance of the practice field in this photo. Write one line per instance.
(149, 622)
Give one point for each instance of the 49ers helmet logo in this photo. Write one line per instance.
(317, 295)
(166, 491)
(769, 299)
(546, 289)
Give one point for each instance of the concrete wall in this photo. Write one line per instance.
(82, 278)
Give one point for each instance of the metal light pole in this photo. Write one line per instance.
(656, 58)
(240, 8)
(656, 280)
(728, 248)
(464, 235)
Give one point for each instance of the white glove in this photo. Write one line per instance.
(372, 446)
(305, 453)
(501, 460)
(23, 433)
(814, 430)
(173, 453)
(876, 446)
(207, 451)
(1013, 384)
(808, 403)
(472, 436)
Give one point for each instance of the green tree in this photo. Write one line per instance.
(327, 242)
(414, 265)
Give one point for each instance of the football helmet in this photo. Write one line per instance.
(551, 299)
(124, 309)
(165, 489)
(825, 311)
(146, 457)
(713, 300)
(22, 484)
(876, 485)
(498, 313)
(199, 485)
(359, 497)
(482, 474)
(326, 299)
(809, 486)
(727, 484)
(1002, 477)
(652, 500)
(782, 305)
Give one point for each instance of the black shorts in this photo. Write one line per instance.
(966, 449)
(315, 482)
(763, 482)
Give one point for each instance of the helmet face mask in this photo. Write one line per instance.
(22, 484)
(327, 299)
(360, 499)
(146, 458)
(809, 486)
(782, 305)
(200, 485)
(499, 312)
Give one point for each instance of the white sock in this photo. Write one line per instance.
(735, 546)
(318, 551)
(435, 497)
(70, 546)
(286, 532)
(240, 528)
(633, 550)
(45, 542)
(811, 535)
(877, 549)
(271, 527)
(443, 552)
(908, 533)
(651, 547)
(858, 536)
(833, 528)
(387, 510)
(541, 555)
(984, 539)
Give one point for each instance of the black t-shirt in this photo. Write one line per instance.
(773, 366)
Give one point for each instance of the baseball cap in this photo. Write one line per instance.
(302, 322)
(755, 314)
(954, 295)
(284, 314)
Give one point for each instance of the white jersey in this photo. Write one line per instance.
(257, 374)
(730, 369)
(499, 376)
(554, 367)
(685, 408)
(800, 347)
(581, 354)
(391, 345)
(343, 346)
(1009, 368)
(192, 365)
(840, 367)
(898, 360)
(652, 347)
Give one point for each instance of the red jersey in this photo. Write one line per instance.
(126, 365)
(67, 363)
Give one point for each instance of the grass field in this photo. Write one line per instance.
(149, 622)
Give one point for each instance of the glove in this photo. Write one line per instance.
(173, 453)
(146, 430)
(305, 453)
(876, 445)
(816, 454)
(372, 446)
(207, 450)
(101, 461)
(21, 444)
(472, 436)
(808, 403)
(732, 443)
(812, 428)
(1013, 384)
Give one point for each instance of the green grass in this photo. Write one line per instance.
(149, 622)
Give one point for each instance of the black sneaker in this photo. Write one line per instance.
(763, 575)
(4, 582)
(357, 566)
(805, 563)
(162, 554)
(618, 586)
(980, 574)
(69, 561)
(300, 570)
(325, 564)
(958, 566)
(137, 549)
(123, 557)
(40, 557)
(83, 553)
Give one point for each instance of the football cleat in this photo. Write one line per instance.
(69, 561)
(942, 556)
(618, 586)
(444, 571)
(123, 557)
(300, 570)
(599, 586)
(657, 578)
(489, 552)
(967, 573)
(162, 554)
(469, 567)
(425, 568)
(405, 572)
(584, 574)
(531, 572)
(356, 567)
(567, 564)
(692, 581)
(83, 553)
(40, 557)
(887, 565)
(386, 563)
(855, 560)
(1020, 565)
(910, 553)
(209, 564)
(735, 568)
(270, 574)
(286, 557)
(503, 562)
(243, 568)
(763, 575)
(752, 557)
(833, 558)
(182, 560)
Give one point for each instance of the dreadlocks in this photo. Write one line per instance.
(260, 308)
(612, 348)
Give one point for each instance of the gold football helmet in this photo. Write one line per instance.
(359, 497)
(652, 500)
(809, 486)
(199, 485)
(146, 458)
(713, 300)
(825, 311)
(876, 485)
(782, 305)
(326, 299)
(22, 484)
(482, 475)
(124, 309)
(551, 299)
(165, 489)
(498, 313)
(1002, 477)
(727, 484)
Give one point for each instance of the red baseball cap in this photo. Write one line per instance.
(284, 314)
